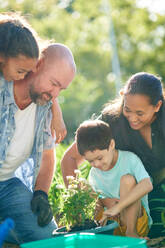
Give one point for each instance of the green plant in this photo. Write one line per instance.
(77, 202)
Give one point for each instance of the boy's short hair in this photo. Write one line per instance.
(92, 135)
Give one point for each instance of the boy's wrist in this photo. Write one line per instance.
(119, 206)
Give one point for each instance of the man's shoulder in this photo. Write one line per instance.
(3, 82)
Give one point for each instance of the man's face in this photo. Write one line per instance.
(48, 82)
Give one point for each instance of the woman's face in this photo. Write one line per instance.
(139, 111)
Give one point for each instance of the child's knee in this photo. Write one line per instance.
(128, 180)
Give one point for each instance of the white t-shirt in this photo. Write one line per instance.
(22, 142)
(107, 183)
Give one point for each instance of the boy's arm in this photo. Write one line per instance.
(141, 189)
(57, 123)
(70, 162)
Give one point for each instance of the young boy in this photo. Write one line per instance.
(119, 176)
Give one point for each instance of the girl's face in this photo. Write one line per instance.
(18, 67)
(139, 111)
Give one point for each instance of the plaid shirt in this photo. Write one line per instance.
(28, 171)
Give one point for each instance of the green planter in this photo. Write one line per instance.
(108, 229)
(87, 240)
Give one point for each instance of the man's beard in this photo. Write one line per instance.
(38, 98)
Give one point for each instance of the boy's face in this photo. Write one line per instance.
(102, 159)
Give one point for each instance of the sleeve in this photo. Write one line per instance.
(49, 140)
(94, 184)
(139, 171)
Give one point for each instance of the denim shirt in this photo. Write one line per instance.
(28, 171)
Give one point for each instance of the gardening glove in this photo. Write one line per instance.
(41, 207)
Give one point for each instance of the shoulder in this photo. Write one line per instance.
(3, 82)
(130, 156)
(114, 119)
(132, 163)
(110, 118)
(94, 174)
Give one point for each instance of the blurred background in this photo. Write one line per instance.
(110, 40)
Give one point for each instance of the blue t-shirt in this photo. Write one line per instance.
(107, 183)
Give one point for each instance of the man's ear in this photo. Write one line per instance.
(112, 144)
(40, 64)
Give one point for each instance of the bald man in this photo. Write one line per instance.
(25, 120)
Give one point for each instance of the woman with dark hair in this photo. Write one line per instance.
(137, 120)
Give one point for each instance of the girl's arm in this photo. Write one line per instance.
(57, 124)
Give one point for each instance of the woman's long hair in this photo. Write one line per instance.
(143, 84)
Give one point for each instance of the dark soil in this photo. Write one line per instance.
(87, 225)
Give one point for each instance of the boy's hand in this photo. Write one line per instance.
(104, 202)
(112, 212)
(58, 126)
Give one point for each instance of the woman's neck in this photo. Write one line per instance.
(146, 134)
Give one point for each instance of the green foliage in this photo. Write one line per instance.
(56, 192)
(163, 210)
(77, 202)
(85, 29)
(69, 204)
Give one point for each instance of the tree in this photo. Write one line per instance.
(84, 27)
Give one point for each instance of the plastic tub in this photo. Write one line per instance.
(90, 240)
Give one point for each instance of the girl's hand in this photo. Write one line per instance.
(58, 126)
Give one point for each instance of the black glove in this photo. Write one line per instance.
(41, 207)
